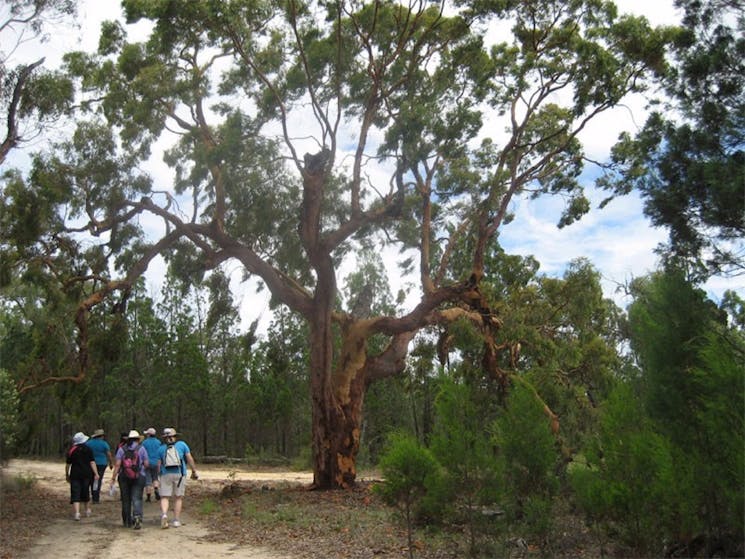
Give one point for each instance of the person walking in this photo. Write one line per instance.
(174, 457)
(129, 470)
(80, 472)
(102, 457)
(152, 446)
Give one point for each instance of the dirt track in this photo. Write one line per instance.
(102, 535)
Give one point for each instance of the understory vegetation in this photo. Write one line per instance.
(644, 447)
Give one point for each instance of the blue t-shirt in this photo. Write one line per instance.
(100, 450)
(152, 446)
(183, 450)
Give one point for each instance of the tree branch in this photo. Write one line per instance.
(12, 138)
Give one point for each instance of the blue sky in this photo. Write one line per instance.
(618, 239)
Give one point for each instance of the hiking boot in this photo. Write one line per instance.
(138, 523)
(164, 522)
(176, 523)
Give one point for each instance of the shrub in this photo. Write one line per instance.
(631, 481)
(529, 460)
(409, 470)
(462, 443)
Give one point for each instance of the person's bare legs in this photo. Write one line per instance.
(178, 502)
(164, 511)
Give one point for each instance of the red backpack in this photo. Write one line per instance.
(131, 462)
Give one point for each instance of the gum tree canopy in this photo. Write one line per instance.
(304, 130)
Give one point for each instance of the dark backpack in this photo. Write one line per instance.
(131, 462)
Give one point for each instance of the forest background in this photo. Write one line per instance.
(538, 387)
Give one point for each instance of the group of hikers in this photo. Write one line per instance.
(141, 464)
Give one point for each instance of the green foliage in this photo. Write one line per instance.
(565, 337)
(631, 479)
(527, 449)
(9, 419)
(31, 98)
(669, 462)
(410, 472)
(668, 321)
(690, 170)
(388, 408)
(719, 432)
(407, 467)
(47, 96)
(208, 507)
(734, 305)
(463, 445)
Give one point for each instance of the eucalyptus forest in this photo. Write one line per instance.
(306, 142)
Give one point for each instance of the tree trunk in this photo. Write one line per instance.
(336, 441)
(336, 413)
(336, 391)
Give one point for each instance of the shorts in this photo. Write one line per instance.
(172, 485)
(80, 490)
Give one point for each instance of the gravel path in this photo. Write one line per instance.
(102, 535)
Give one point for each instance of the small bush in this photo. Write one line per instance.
(463, 445)
(529, 461)
(630, 482)
(409, 470)
(252, 513)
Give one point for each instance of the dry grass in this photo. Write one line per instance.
(309, 524)
(354, 524)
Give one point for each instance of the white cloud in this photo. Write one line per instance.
(618, 240)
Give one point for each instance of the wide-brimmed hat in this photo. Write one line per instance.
(169, 432)
(98, 433)
(133, 434)
(79, 438)
(150, 431)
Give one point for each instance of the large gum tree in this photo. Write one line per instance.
(301, 131)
